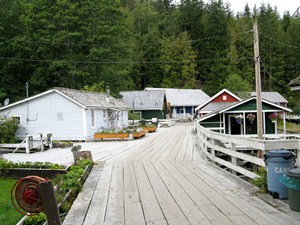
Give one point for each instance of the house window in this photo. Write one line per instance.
(182, 110)
(104, 114)
(224, 97)
(17, 119)
(93, 117)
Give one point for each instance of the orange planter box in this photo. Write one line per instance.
(150, 129)
(138, 134)
(111, 136)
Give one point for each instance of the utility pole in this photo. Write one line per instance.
(257, 81)
(27, 89)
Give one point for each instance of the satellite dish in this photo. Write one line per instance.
(6, 101)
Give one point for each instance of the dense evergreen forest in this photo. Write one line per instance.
(133, 44)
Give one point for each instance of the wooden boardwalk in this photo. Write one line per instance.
(164, 180)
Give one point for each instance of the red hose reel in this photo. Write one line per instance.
(26, 195)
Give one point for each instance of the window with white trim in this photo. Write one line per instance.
(224, 97)
(93, 117)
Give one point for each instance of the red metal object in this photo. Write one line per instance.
(26, 197)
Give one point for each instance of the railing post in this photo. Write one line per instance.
(233, 158)
(41, 142)
(212, 149)
(27, 144)
(298, 155)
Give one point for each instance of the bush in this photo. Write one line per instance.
(8, 128)
(38, 219)
(261, 181)
(5, 164)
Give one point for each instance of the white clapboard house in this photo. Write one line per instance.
(66, 113)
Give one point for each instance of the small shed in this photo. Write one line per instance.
(148, 104)
(67, 113)
(240, 118)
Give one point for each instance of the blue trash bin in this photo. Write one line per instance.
(278, 163)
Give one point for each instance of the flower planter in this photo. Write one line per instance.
(110, 136)
(138, 134)
(150, 129)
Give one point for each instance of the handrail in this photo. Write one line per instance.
(28, 140)
(241, 147)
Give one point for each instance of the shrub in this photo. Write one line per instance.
(38, 219)
(8, 128)
(261, 181)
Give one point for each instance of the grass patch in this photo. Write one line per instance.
(290, 127)
(8, 214)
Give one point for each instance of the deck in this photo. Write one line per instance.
(163, 180)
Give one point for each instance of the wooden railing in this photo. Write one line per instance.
(35, 141)
(236, 150)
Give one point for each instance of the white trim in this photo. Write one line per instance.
(84, 125)
(40, 95)
(249, 99)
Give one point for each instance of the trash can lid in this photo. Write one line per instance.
(294, 172)
(279, 153)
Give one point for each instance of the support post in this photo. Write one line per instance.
(50, 204)
(27, 144)
(41, 142)
(258, 83)
(233, 158)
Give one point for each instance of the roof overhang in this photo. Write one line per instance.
(250, 99)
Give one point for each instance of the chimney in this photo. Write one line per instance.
(107, 93)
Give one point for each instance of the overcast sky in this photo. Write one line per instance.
(282, 5)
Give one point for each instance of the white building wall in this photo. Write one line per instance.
(99, 121)
(51, 113)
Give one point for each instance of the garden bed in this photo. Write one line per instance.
(150, 129)
(110, 136)
(138, 134)
(71, 187)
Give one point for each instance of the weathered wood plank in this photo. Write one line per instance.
(223, 205)
(97, 209)
(192, 212)
(80, 207)
(115, 203)
(133, 209)
(171, 210)
(151, 208)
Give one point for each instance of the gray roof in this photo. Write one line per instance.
(92, 99)
(151, 100)
(186, 97)
(272, 97)
(83, 98)
(183, 97)
(213, 106)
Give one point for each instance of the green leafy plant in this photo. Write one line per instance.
(38, 219)
(5, 164)
(261, 181)
(8, 128)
